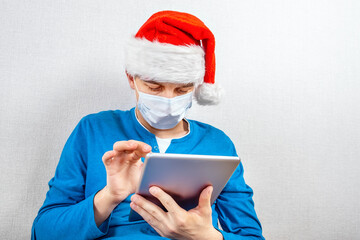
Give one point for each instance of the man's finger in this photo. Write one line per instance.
(122, 146)
(146, 216)
(166, 200)
(107, 157)
(149, 207)
(130, 146)
(141, 150)
(205, 198)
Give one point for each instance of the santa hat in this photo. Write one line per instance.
(175, 47)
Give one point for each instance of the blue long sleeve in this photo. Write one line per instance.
(235, 209)
(66, 212)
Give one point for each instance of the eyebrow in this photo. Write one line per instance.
(184, 85)
(188, 85)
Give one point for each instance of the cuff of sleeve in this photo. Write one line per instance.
(94, 230)
(223, 233)
(228, 236)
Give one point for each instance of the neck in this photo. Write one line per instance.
(181, 129)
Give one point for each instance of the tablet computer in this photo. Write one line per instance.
(184, 176)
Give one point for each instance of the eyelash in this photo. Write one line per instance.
(158, 89)
(182, 91)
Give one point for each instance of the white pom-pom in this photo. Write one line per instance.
(208, 94)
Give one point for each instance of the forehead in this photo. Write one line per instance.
(169, 84)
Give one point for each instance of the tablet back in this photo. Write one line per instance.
(184, 176)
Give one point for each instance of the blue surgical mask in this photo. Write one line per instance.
(162, 112)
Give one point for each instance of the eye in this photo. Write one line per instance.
(155, 88)
(183, 90)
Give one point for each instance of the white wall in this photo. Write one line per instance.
(290, 69)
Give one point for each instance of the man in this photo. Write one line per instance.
(170, 60)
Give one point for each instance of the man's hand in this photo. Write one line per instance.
(177, 223)
(123, 168)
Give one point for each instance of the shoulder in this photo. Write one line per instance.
(208, 129)
(211, 134)
(103, 121)
(105, 116)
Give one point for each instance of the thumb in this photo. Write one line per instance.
(205, 197)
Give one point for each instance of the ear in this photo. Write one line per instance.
(130, 79)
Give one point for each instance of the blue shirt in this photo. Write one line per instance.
(67, 212)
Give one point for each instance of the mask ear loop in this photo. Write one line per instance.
(136, 88)
(137, 102)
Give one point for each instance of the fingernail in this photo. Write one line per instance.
(210, 191)
(147, 148)
(153, 190)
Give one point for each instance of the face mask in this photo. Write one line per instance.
(162, 112)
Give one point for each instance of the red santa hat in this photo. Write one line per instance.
(175, 47)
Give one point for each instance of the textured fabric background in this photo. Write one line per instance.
(290, 70)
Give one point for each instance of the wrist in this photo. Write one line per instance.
(215, 234)
(111, 198)
(210, 234)
(103, 206)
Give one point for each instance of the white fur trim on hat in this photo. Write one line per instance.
(208, 94)
(165, 62)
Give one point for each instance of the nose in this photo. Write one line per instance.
(169, 94)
